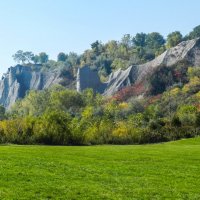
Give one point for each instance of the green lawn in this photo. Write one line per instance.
(159, 171)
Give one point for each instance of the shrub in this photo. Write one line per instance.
(53, 128)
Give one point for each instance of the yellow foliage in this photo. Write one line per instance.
(198, 95)
(121, 130)
(175, 91)
(111, 107)
(195, 81)
(190, 70)
(186, 88)
(193, 71)
(123, 105)
(90, 133)
(11, 128)
(88, 112)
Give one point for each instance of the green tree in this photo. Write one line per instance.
(187, 114)
(154, 40)
(29, 56)
(23, 57)
(140, 39)
(34, 104)
(97, 47)
(43, 58)
(35, 59)
(119, 63)
(19, 57)
(195, 33)
(173, 39)
(127, 40)
(73, 60)
(61, 57)
(111, 48)
(66, 100)
(2, 112)
(53, 128)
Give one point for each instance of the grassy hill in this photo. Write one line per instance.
(158, 171)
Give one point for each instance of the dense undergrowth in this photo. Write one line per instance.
(58, 116)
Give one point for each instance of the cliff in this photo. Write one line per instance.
(19, 79)
(88, 78)
(186, 52)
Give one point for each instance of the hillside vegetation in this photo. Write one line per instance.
(60, 116)
(66, 117)
(160, 171)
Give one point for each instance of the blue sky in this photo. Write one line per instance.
(72, 25)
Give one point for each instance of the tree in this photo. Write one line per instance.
(110, 48)
(61, 57)
(119, 63)
(193, 71)
(160, 80)
(173, 39)
(73, 59)
(2, 112)
(140, 39)
(34, 104)
(197, 121)
(35, 59)
(28, 56)
(66, 100)
(19, 57)
(97, 47)
(195, 33)
(127, 40)
(53, 128)
(154, 40)
(43, 58)
(187, 114)
(23, 57)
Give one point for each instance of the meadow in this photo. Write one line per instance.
(157, 171)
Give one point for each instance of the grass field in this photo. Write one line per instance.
(159, 171)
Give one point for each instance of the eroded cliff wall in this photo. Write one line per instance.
(20, 79)
(186, 52)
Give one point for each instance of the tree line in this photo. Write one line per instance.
(108, 57)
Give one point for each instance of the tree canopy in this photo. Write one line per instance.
(173, 39)
(23, 57)
(112, 55)
(195, 33)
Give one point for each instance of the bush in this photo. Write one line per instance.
(53, 128)
(151, 136)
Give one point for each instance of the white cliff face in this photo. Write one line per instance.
(87, 78)
(187, 51)
(120, 79)
(78, 87)
(19, 79)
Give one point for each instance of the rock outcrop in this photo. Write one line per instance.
(19, 79)
(88, 78)
(187, 52)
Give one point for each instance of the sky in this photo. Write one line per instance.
(72, 25)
